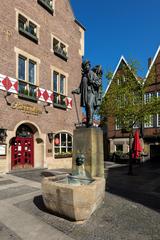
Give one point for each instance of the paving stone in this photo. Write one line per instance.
(6, 182)
(37, 175)
(7, 234)
(30, 175)
(16, 191)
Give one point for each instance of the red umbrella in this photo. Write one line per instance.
(136, 147)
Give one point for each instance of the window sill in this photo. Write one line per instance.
(56, 105)
(46, 6)
(58, 54)
(26, 97)
(62, 156)
(28, 35)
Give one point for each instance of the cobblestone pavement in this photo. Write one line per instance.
(116, 219)
(131, 210)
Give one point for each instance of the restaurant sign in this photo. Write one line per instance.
(26, 108)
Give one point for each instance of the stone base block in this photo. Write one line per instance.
(89, 141)
(73, 202)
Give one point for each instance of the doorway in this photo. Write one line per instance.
(154, 152)
(22, 149)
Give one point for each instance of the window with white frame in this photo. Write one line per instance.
(158, 120)
(158, 115)
(59, 89)
(149, 123)
(60, 49)
(47, 4)
(63, 143)
(148, 96)
(27, 28)
(59, 83)
(27, 73)
(158, 94)
(121, 80)
(118, 124)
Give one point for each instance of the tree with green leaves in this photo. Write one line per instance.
(125, 101)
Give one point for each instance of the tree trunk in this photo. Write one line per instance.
(130, 167)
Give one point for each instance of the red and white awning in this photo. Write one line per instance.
(45, 95)
(8, 84)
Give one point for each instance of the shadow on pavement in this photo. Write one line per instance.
(39, 203)
(142, 187)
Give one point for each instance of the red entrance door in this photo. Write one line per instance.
(22, 153)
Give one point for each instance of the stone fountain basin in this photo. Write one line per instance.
(75, 202)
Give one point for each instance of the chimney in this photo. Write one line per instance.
(149, 62)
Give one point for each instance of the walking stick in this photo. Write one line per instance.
(76, 108)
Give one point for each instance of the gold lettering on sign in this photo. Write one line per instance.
(26, 108)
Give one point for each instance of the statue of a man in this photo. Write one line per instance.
(90, 90)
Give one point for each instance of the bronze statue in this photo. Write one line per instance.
(90, 90)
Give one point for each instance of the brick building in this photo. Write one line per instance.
(117, 140)
(41, 49)
(151, 130)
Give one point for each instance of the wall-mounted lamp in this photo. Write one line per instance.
(51, 136)
(3, 134)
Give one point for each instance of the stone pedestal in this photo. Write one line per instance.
(72, 201)
(89, 141)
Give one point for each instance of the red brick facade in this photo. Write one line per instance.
(62, 25)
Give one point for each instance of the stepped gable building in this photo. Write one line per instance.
(41, 49)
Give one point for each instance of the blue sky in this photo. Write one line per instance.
(119, 27)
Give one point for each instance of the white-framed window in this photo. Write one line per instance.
(59, 48)
(28, 28)
(158, 120)
(118, 124)
(63, 143)
(158, 94)
(59, 87)
(59, 83)
(148, 96)
(27, 76)
(26, 69)
(47, 4)
(121, 80)
(150, 122)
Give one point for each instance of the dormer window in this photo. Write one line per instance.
(27, 28)
(47, 4)
(60, 49)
